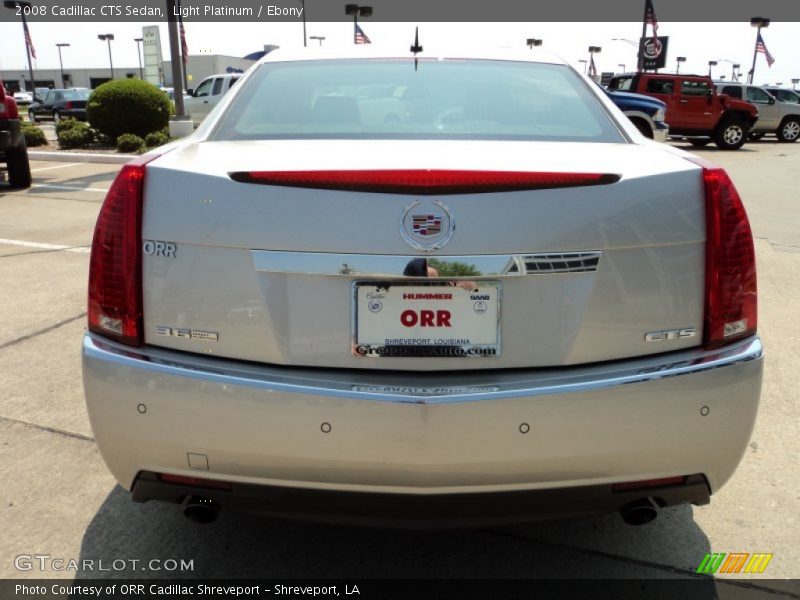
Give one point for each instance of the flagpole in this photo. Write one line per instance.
(640, 62)
(26, 34)
(758, 23)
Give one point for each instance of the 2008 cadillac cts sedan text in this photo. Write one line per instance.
(437, 289)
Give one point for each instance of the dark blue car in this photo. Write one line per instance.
(646, 113)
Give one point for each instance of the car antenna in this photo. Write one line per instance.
(416, 48)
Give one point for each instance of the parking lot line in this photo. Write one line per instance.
(56, 167)
(24, 244)
(69, 187)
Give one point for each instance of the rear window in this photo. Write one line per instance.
(441, 99)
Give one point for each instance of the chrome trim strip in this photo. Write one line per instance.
(393, 266)
(434, 388)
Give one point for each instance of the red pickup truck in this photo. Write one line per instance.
(694, 108)
(12, 143)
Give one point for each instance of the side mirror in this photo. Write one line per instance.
(190, 92)
(771, 100)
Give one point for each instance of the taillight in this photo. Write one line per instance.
(731, 294)
(115, 267)
(69, 105)
(424, 181)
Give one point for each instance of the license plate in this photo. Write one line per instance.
(442, 319)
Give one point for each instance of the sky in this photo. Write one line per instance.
(699, 42)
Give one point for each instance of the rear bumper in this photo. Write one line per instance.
(422, 436)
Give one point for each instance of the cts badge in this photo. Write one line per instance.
(670, 334)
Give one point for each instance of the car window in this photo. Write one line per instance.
(233, 80)
(786, 96)
(757, 95)
(49, 98)
(622, 84)
(204, 89)
(660, 86)
(734, 91)
(217, 86)
(694, 88)
(74, 95)
(455, 99)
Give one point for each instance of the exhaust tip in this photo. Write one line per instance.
(201, 510)
(639, 512)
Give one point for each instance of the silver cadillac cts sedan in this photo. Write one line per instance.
(421, 289)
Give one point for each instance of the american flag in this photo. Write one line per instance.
(650, 19)
(762, 47)
(28, 41)
(361, 37)
(184, 45)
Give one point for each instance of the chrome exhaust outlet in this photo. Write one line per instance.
(201, 510)
(639, 512)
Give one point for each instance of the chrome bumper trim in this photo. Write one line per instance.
(429, 388)
(415, 267)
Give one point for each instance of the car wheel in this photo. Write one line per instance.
(19, 169)
(32, 116)
(730, 134)
(643, 127)
(789, 130)
(699, 143)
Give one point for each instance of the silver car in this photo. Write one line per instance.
(505, 304)
(774, 115)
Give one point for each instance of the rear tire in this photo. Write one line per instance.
(789, 130)
(19, 169)
(699, 143)
(730, 134)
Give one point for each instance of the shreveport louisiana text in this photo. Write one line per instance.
(175, 589)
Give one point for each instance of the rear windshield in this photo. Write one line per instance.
(75, 94)
(440, 99)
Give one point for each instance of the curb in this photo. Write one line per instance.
(81, 157)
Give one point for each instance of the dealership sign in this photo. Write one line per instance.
(653, 52)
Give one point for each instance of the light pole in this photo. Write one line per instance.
(623, 66)
(13, 5)
(139, 55)
(735, 72)
(758, 23)
(711, 63)
(107, 37)
(319, 38)
(679, 60)
(585, 62)
(532, 42)
(356, 10)
(303, 6)
(61, 63)
(795, 82)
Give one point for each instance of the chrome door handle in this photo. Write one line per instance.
(684, 102)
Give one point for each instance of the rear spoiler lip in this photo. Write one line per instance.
(424, 181)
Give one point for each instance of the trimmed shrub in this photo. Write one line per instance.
(34, 136)
(77, 135)
(156, 138)
(129, 142)
(128, 106)
(65, 124)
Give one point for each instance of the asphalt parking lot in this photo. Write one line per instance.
(57, 497)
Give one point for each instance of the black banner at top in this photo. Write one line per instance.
(150, 11)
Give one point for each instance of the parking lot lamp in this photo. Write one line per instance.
(585, 62)
(795, 82)
(532, 42)
(139, 55)
(61, 63)
(319, 38)
(13, 5)
(623, 66)
(107, 37)
(679, 60)
(711, 63)
(758, 23)
(735, 72)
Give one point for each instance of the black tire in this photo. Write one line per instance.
(643, 127)
(754, 137)
(700, 143)
(19, 169)
(789, 131)
(731, 133)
